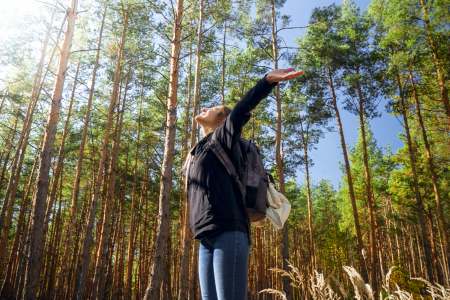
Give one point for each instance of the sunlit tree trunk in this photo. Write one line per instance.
(374, 267)
(348, 172)
(160, 247)
(16, 165)
(102, 168)
(279, 155)
(197, 78)
(185, 235)
(434, 179)
(419, 202)
(72, 239)
(134, 201)
(103, 254)
(60, 160)
(39, 201)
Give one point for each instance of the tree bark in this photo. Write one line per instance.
(185, 238)
(222, 86)
(103, 256)
(434, 179)
(66, 274)
(16, 166)
(100, 176)
(197, 79)
(162, 234)
(348, 172)
(39, 201)
(374, 274)
(279, 155)
(134, 200)
(419, 203)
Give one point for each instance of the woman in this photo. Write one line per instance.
(217, 215)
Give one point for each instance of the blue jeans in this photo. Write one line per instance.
(223, 266)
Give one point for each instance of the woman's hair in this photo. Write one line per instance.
(224, 112)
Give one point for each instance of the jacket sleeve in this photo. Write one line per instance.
(229, 132)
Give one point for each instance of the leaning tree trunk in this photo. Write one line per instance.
(71, 227)
(185, 238)
(310, 207)
(103, 257)
(57, 182)
(134, 200)
(222, 84)
(419, 202)
(160, 247)
(61, 154)
(16, 166)
(374, 270)
(197, 79)
(278, 155)
(38, 213)
(99, 179)
(348, 172)
(434, 179)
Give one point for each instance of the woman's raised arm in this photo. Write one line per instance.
(230, 131)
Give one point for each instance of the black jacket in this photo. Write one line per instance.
(215, 204)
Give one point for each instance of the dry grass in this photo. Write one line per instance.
(320, 289)
(362, 290)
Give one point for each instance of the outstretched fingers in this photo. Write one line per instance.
(293, 74)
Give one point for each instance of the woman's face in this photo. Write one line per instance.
(209, 117)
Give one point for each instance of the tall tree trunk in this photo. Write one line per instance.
(57, 177)
(304, 131)
(419, 203)
(53, 250)
(197, 79)
(162, 235)
(39, 201)
(61, 154)
(185, 238)
(222, 85)
(310, 208)
(72, 225)
(100, 176)
(134, 200)
(278, 154)
(374, 269)
(16, 166)
(103, 256)
(434, 179)
(348, 172)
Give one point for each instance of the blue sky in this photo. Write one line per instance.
(328, 154)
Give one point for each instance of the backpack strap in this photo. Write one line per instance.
(220, 153)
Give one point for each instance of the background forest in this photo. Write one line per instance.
(97, 100)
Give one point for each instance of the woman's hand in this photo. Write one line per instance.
(282, 75)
